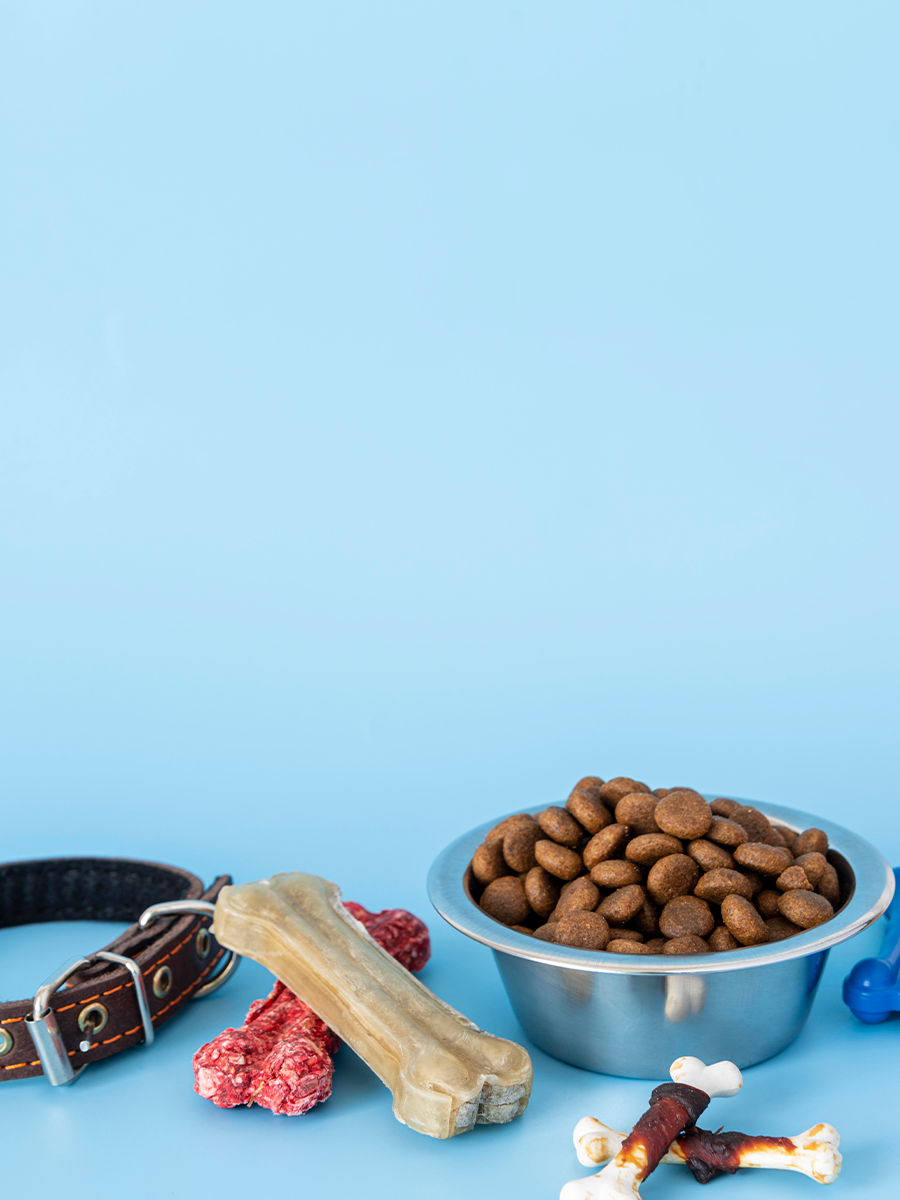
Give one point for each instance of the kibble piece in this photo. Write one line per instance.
(743, 921)
(688, 943)
(636, 811)
(502, 828)
(776, 838)
(659, 793)
(829, 886)
(648, 848)
(623, 904)
(591, 784)
(605, 844)
(788, 835)
(683, 814)
(767, 903)
(546, 933)
(616, 873)
(724, 832)
(542, 891)
(811, 840)
(767, 860)
(813, 864)
(716, 885)
(488, 862)
(723, 807)
(656, 945)
(686, 915)
(792, 879)
(779, 928)
(710, 856)
(558, 860)
(756, 881)
(620, 946)
(674, 875)
(612, 791)
(505, 901)
(754, 822)
(522, 929)
(722, 938)
(806, 909)
(583, 930)
(647, 920)
(519, 844)
(560, 826)
(628, 935)
(589, 810)
(581, 896)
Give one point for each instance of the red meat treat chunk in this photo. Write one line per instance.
(281, 1056)
(295, 1076)
(404, 936)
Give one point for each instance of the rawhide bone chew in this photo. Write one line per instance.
(673, 1107)
(281, 1057)
(814, 1152)
(445, 1074)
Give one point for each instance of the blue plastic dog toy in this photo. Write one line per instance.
(872, 990)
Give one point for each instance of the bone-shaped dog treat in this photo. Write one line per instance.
(814, 1152)
(446, 1074)
(673, 1107)
(281, 1057)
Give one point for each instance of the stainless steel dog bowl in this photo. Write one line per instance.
(625, 1015)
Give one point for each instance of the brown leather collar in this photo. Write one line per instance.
(176, 954)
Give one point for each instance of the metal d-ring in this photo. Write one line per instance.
(201, 908)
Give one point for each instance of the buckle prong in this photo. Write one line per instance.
(44, 1029)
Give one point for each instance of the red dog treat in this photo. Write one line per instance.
(281, 1058)
(403, 935)
(235, 1067)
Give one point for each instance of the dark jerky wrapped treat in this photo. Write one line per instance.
(673, 1108)
(813, 1153)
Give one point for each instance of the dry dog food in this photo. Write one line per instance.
(626, 870)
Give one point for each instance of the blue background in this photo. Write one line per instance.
(406, 411)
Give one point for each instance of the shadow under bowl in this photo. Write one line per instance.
(626, 1015)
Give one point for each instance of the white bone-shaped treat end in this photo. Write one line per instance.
(612, 1183)
(820, 1146)
(595, 1142)
(718, 1079)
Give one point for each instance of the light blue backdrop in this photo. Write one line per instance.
(407, 410)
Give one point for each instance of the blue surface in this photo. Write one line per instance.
(407, 410)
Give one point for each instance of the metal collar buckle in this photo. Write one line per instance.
(42, 1024)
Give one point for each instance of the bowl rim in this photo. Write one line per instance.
(872, 892)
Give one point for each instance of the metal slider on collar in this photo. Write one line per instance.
(42, 1023)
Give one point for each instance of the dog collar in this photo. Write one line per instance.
(116, 997)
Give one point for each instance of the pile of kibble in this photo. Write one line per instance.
(632, 871)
